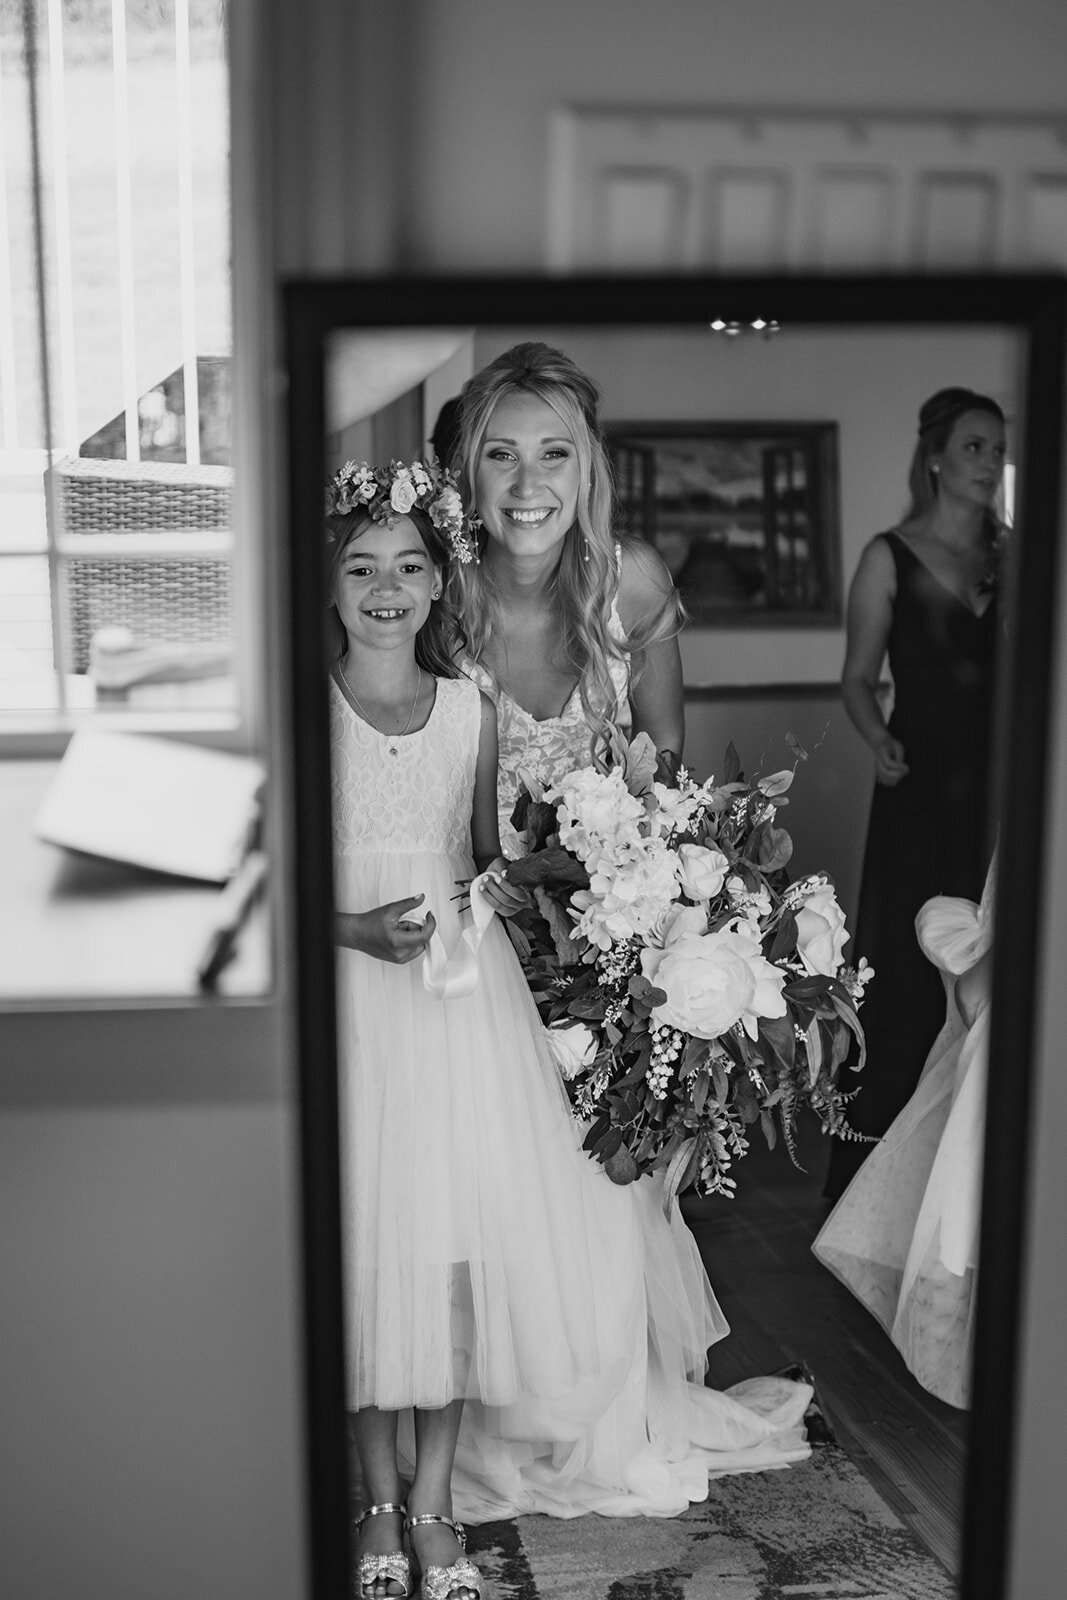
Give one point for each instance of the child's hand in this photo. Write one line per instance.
(504, 897)
(389, 932)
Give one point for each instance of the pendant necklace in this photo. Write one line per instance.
(392, 747)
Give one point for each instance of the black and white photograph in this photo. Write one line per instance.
(533, 803)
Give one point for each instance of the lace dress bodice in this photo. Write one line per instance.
(416, 800)
(548, 747)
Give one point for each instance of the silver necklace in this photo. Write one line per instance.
(393, 749)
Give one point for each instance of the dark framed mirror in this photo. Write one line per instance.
(371, 365)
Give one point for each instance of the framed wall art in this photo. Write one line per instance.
(745, 515)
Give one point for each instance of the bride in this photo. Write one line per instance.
(571, 630)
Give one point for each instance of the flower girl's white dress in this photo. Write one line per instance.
(904, 1235)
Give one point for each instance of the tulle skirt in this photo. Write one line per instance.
(904, 1235)
(488, 1258)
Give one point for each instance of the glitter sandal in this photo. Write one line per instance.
(439, 1582)
(394, 1567)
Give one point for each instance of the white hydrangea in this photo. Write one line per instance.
(628, 898)
(596, 813)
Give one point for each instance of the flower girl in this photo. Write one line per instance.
(477, 1262)
(500, 1291)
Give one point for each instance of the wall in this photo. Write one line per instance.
(487, 78)
(149, 1335)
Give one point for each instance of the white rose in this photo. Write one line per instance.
(573, 1046)
(821, 932)
(402, 496)
(713, 981)
(702, 871)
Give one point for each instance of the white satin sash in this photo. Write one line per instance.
(450, 977)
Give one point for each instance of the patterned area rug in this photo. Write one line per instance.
(817, 1531)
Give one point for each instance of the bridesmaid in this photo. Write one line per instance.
(926, 594)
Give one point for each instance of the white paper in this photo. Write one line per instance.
(152, 802)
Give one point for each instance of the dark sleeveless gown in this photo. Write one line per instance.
(931, 834)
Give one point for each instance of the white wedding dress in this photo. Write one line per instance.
(653, 1449)
(904, 1235)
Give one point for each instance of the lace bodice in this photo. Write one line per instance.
(550, 747)
(419, 799)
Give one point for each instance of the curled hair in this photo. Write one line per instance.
(937, 418)
(434, 642)
(586, 581)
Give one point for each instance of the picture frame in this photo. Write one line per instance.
(1032, 309)
(746, 515)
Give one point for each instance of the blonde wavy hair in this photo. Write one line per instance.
(587, 578)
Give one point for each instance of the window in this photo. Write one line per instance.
(115, 474)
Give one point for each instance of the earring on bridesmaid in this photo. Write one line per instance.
(585, 548)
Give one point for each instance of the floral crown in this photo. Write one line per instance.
(385, 493)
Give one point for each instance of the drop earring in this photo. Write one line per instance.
(585, 548)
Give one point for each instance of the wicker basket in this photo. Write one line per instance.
(173, 599)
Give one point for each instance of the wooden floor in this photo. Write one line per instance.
(784, 1307)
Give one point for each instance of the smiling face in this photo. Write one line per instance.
(971, 464)
(384, 584)
(527, 476)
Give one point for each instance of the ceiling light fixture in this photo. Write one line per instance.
(766, 327)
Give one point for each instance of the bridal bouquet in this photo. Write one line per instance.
(688, 988)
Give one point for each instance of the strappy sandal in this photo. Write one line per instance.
(394, 1567)
(439, 1582)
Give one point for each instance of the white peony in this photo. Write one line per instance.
(573, 1046)
(821, 932)
(713, 980)
(702, 871)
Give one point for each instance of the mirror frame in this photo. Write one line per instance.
(1031, 305)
